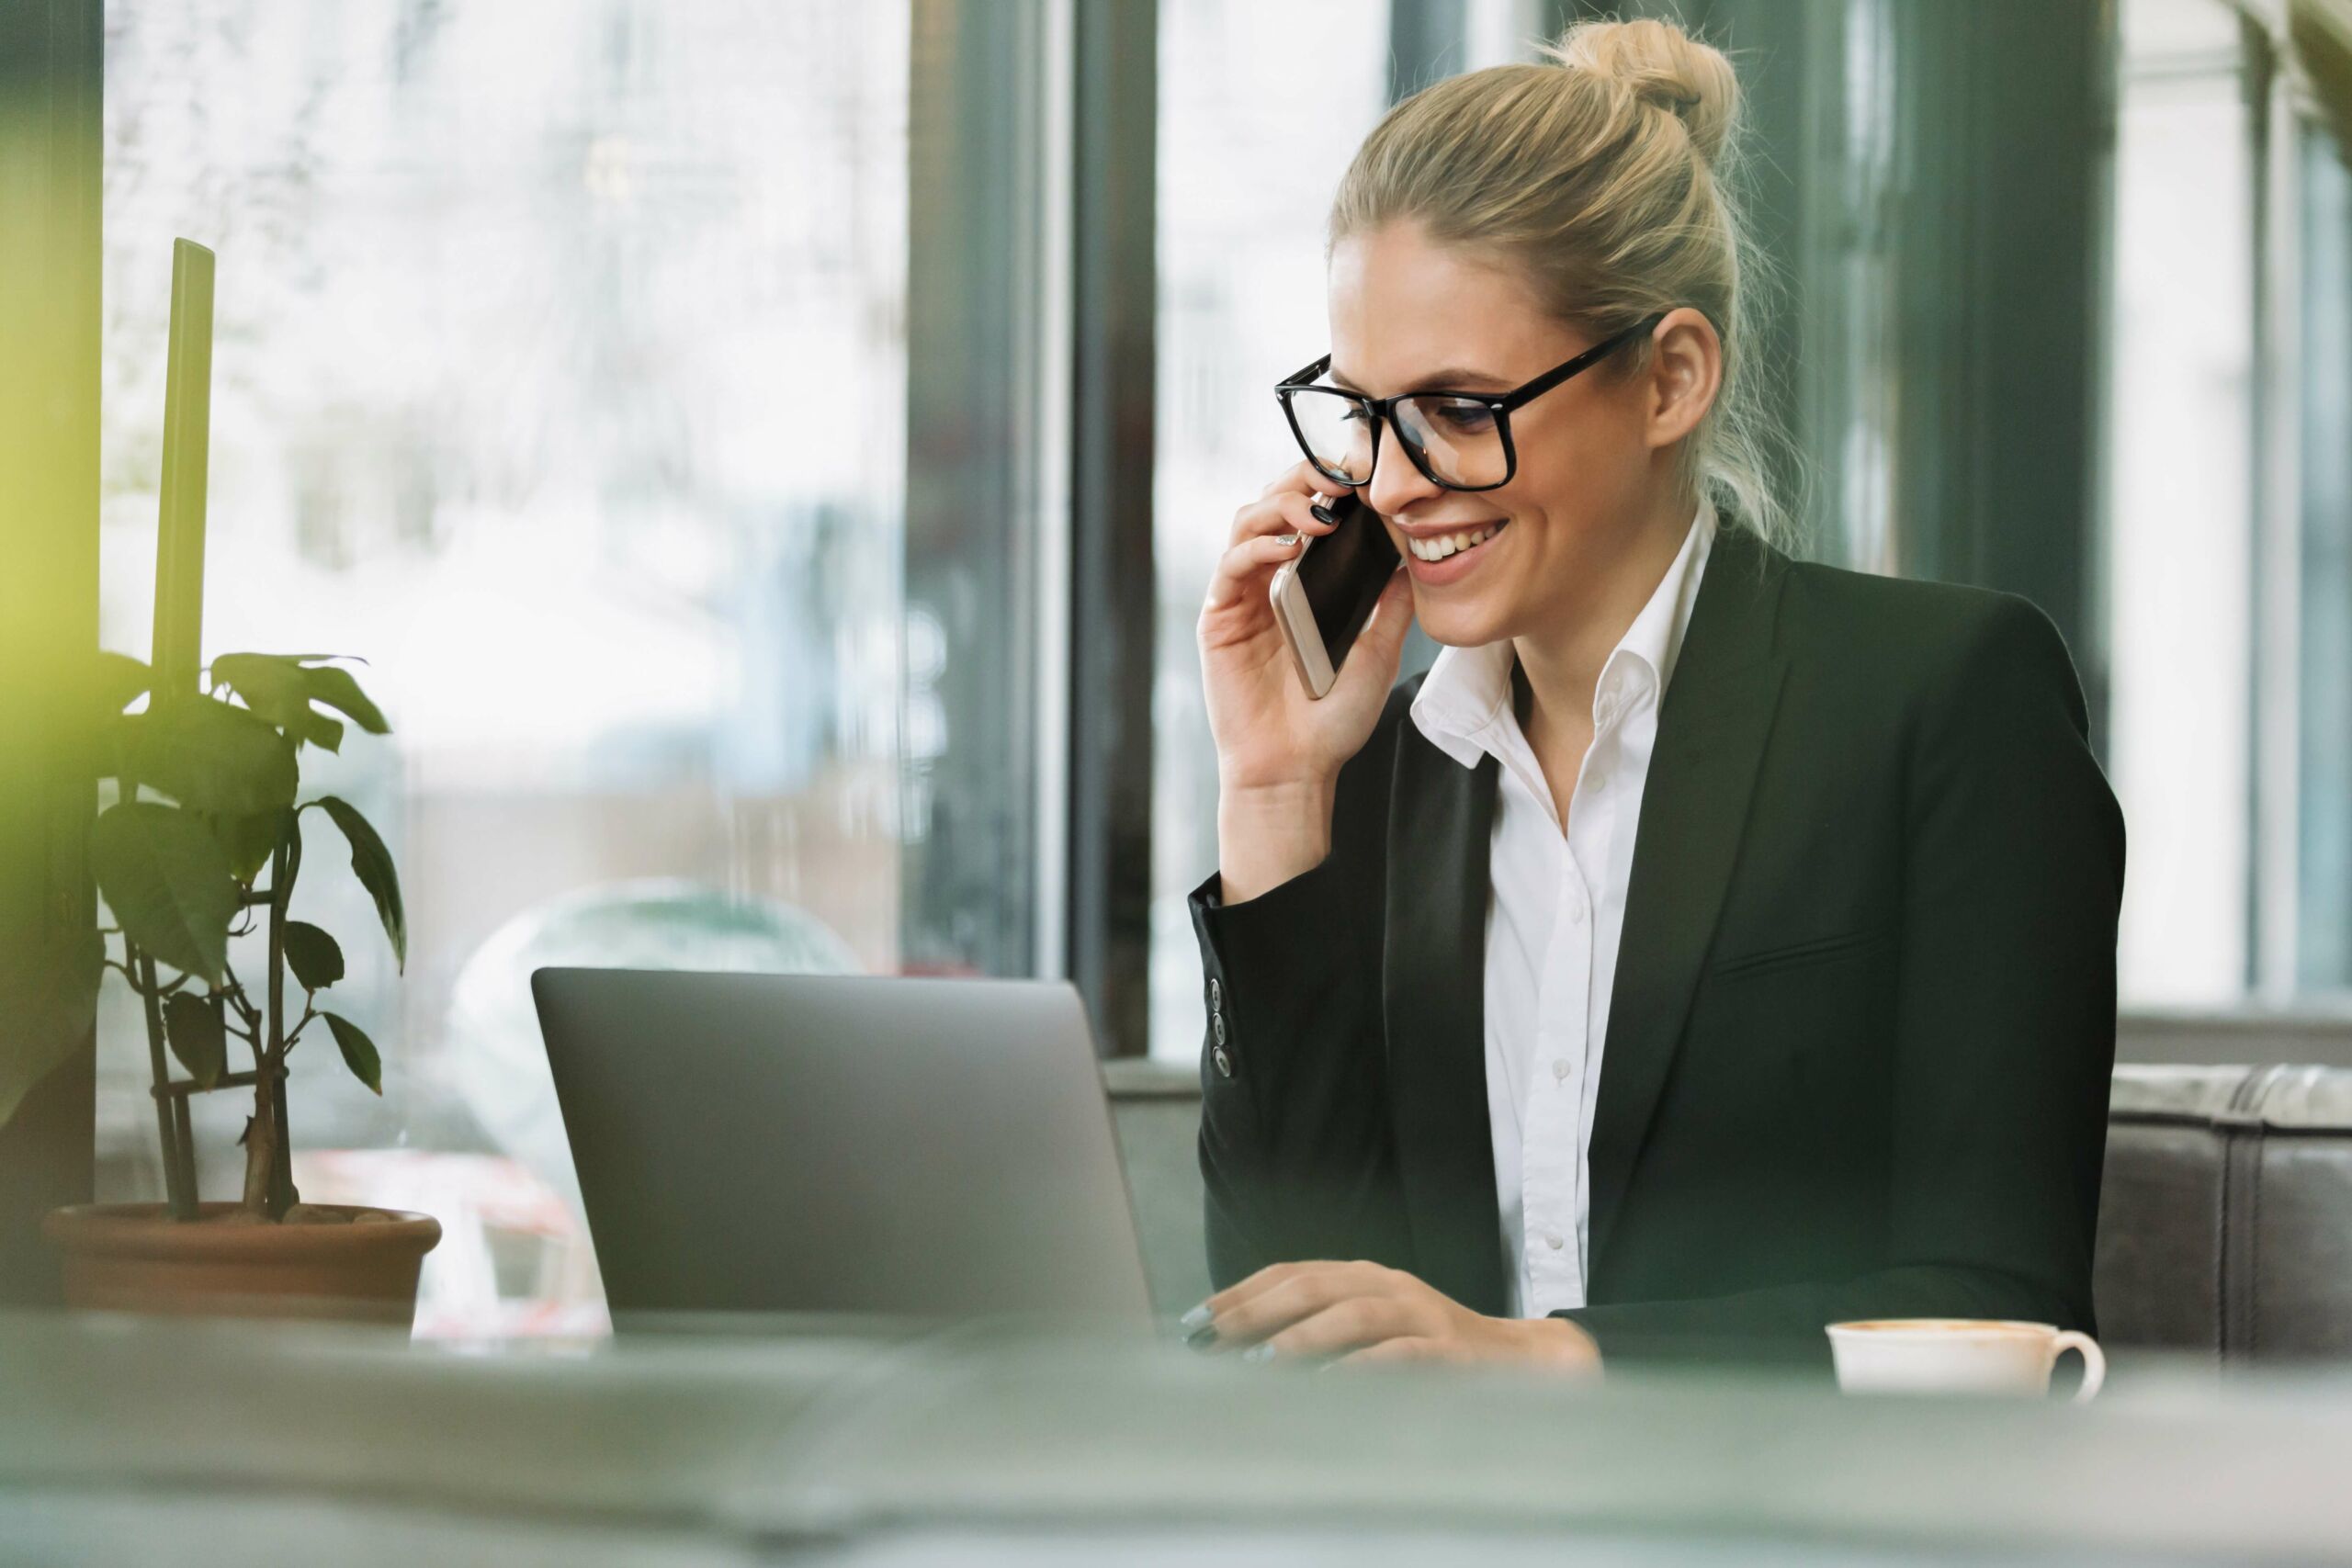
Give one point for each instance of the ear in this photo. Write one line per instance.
(1686, 372)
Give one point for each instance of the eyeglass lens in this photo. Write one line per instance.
(1456, 441)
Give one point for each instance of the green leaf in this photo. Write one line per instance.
(119, 681)
(214, 758)
(313, 956)
(48, 995)
(192, 1025)
(168, 880)
(265, 680)
(373, 865)
(320, 732)
(333, 686)
(359, 1051)
(285, 888)
(249, 840)
(278, 690)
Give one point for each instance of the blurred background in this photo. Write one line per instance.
(770, 454)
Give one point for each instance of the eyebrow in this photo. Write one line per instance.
(1451, 380)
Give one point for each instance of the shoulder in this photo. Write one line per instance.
(1902, 614)
(1926, 639)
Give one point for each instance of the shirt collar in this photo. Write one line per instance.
(1468, 691)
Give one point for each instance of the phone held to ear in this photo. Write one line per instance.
(1324, 594)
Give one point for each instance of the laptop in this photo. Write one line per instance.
(922, 1148)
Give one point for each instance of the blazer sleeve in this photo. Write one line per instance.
(1296, 1156)
(2005, 1023)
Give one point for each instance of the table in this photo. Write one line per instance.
(123, 1439)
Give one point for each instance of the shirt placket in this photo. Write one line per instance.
(1608, 846)
(1551, 1173)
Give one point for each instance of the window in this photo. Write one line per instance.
(2229, 416)
(2180, 530)
(560, 374)
(1260, 107)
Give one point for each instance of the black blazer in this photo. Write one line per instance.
(1858, 1051)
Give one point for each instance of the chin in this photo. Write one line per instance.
(1454, 622)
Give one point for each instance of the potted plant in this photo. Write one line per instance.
(198, 855)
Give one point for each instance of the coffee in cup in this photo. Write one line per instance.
(1958, 1355)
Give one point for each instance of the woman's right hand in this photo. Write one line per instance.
(1279, 752)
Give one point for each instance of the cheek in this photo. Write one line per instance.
(1579, 451)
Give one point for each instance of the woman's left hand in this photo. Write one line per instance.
(1363, 1312)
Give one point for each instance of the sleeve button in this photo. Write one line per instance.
(1217, 1026)
(1224, 1062)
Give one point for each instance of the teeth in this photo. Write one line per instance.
(1437, 546)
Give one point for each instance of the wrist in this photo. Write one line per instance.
(1276, 802)
(1268, 833)
(1559, 1343)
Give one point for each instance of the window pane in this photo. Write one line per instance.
(2180, 533)
(2323, 924)
(1260, 107)
(558, 374)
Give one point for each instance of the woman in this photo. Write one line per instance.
(1711, 946)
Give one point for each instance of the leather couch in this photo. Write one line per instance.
(2225, 1220)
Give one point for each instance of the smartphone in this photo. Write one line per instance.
(1324, 594)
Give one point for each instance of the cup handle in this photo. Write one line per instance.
(2093, 1360)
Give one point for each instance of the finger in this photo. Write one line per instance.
(1346, 1324)
(1221, 1306)
(1242, 565)
(1403, 1347)
(1301, 477)
(1282, 1304)
(1292, 511)
(1381, 644)
(1274, 1275)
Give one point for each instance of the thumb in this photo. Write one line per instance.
(1380, 647)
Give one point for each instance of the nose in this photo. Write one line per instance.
(1396, 483)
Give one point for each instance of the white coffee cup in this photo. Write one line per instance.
(1958, 1355)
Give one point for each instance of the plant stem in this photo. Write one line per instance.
(180, 1173)
(262, 1176)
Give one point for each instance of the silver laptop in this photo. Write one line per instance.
(777, 1142)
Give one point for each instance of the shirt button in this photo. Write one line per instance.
(1556, 1242)
(1560, 1069)
(1575, 913)
(1599, 782)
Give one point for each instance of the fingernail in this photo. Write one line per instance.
(1202, 1338)
(1323, 513)
(1200, 1316)
(1259, 1353)
(1286, 540)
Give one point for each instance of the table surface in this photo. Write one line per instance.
(818, 1442)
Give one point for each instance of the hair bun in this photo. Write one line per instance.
(1661, 64)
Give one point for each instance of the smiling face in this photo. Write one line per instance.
(1409, 315)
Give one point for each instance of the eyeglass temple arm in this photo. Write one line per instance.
(1303, 378)
(1553, 376)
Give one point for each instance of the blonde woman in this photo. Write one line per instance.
(1712, 946)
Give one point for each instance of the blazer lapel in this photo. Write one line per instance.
(1717, 715)
(1441, 819)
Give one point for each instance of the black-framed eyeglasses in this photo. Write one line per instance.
(1458, 440)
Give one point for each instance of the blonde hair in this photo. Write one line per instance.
(1604, 177)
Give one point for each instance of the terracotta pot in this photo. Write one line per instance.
(135, 1258)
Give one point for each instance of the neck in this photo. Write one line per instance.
(1561, 663)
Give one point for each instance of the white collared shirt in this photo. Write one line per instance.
(1552, 923)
